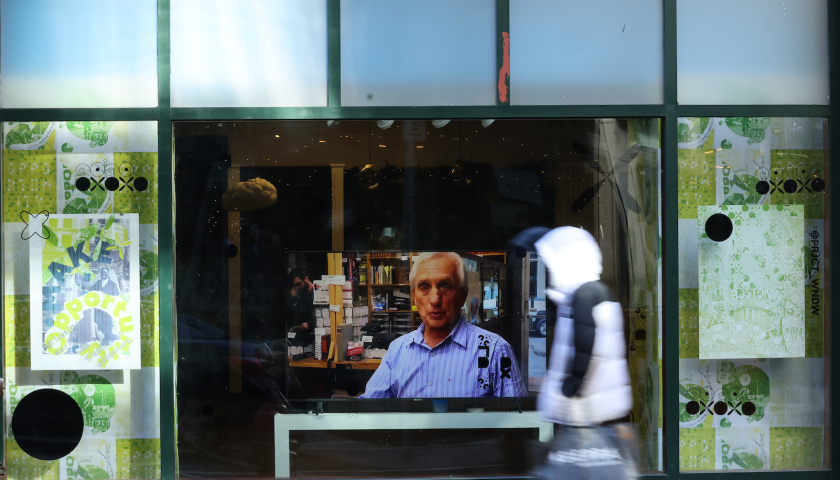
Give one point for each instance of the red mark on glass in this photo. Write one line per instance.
(504, 72)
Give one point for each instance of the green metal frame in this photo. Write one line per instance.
(668, 112)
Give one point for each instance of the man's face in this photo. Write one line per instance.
(437, 293)
(298, 284)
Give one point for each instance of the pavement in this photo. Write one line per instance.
(537, 361)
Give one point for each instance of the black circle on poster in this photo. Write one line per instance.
(818, 184)
(83, 184)
(692, 407)
(720, 408)
(48, 424)
(748, 408)
(140, 183)
(718, 227)
(790, 185)
(112, 184)
(762, 187)
(231, 250)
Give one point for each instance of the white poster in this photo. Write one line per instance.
(85, 292)
(752, 303)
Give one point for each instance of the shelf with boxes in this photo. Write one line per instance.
(362, 305)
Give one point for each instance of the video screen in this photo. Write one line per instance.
(404, 325)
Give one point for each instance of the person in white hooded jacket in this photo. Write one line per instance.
(587, 382)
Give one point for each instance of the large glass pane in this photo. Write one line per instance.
(80, 299)
(296, 246)
(577, 53)
(752, 52)
(753, 293)
(418, 53)
(78, 53)
(259, 53)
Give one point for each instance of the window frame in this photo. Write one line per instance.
(668, 112)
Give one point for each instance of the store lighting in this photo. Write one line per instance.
(384, 124)
(332, 123)
(487, 122)
(439, 123)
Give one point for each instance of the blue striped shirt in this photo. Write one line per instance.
(470, 362)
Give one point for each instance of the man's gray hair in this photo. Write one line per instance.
(460, 273)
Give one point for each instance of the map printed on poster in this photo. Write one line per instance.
(733, 382)
(751, 285)
(742, 449)
(85, 292)
(96, 454)
(27, 135)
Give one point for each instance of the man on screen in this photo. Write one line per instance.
(445, 357)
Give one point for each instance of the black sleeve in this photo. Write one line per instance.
(587, 297)
(524, 241)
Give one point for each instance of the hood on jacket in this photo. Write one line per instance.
(573, 258)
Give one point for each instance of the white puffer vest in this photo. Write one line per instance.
(574, 259)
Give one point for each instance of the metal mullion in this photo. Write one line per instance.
(670, 246)
(753, 110)
(399, 113)
(834, 226)
(166, 254)
(79, 114)
(334, 53)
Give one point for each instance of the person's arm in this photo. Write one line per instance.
(379, 385)
(587, 297)
(508, 379)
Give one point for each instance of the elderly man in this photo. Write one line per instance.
(445, 357)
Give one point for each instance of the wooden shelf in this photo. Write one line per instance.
(311, 362)
(308, 362)
(366, 364)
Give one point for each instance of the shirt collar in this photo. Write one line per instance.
(458, 334)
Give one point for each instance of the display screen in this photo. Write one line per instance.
(424, 324)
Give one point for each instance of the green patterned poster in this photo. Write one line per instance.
(751, 296)
(91, 170)
(742, 449)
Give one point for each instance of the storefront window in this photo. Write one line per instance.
(753, 340)
(80, 261)
(296, 243)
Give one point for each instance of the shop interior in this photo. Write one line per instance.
(349, 205)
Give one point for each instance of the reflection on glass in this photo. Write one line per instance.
(418, 53)
(78, 54)
(753, 285)
(752, 52)
(578, 53)
(299, 305)
(255, 54)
